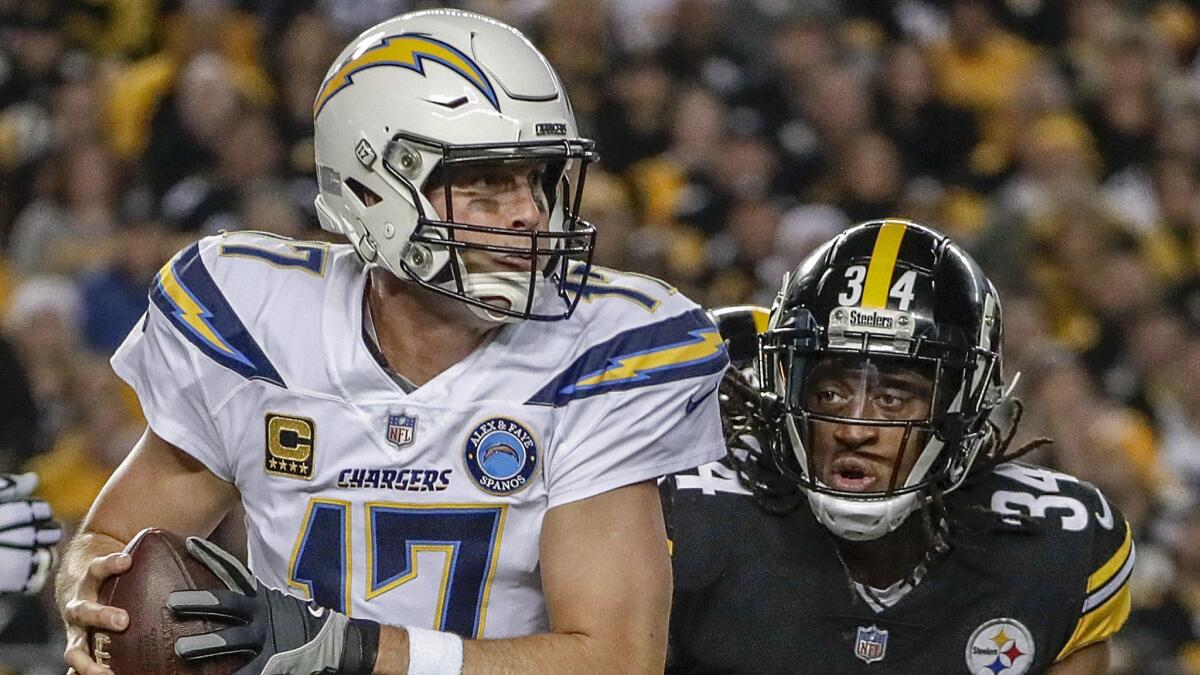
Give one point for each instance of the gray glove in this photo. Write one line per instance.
(28, 533)
(287, 635)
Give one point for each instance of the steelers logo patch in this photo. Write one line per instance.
(501, 456)
(1000, 647)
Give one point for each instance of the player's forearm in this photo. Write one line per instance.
(534, 654)
(563, 653)
(84, 547)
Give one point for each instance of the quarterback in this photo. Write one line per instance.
(869, 517)
(445, 434)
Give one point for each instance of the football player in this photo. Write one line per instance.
(28, 533)
(453, 424)
(869, 516)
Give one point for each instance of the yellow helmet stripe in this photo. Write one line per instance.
(762, 319)
(883, 264)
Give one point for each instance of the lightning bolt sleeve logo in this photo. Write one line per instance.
(193, 304)
(192, 314)
(684, 346)
(638, 367)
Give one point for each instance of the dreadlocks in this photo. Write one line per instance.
(746, 426)
(746, 434)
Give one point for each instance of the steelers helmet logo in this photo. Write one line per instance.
(1000, 647)
(501, 456)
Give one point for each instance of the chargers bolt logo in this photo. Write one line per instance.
(501, 456)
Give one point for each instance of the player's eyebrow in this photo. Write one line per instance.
(901, 379)
(914, 384)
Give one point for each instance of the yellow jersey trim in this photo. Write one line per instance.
(1107, 605)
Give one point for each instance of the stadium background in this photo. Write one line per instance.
(1059, 142)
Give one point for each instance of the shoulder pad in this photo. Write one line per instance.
(710, 479)
(1103, 555)
(602, 286)
(644, 353)
(740, 327)
(217, 292)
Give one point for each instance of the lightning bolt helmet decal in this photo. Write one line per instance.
(411, 51)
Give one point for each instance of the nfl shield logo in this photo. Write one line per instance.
(871, 644)
(401, 429)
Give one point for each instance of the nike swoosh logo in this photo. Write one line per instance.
(1106, 518)
(697, 400)
(317, 612)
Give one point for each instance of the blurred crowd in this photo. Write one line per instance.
(1058, 141)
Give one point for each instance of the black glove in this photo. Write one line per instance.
(287, 635)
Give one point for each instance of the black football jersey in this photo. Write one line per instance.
(758, 593)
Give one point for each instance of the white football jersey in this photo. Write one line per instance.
(419, 508)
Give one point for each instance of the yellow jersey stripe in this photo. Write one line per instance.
(708, 345)
(191, 312)
(1107, 604)
(1099, 624)
(1114, 564)
(883, 264)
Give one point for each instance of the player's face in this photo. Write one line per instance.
(505, 196)
(873, 456)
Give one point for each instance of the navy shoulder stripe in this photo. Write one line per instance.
(189, 298)
(684, 346)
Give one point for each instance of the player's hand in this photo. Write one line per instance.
(28, 534)
(287, 635)
(83, 611)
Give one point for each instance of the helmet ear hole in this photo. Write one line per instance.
(365, 195)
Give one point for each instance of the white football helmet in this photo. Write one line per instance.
(421, 95)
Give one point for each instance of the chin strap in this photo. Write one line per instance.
(510, 287)
(862, 520)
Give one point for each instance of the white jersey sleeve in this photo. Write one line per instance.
(639, 405)
(186, 356)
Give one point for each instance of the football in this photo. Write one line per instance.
(161, 564)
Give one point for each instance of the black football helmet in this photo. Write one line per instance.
(740, 327)
(888, 325)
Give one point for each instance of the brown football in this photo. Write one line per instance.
(161, 564)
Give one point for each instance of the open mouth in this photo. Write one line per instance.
(853, 474)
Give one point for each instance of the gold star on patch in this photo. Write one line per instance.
(1001, 638)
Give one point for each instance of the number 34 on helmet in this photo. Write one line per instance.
(889, 331)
